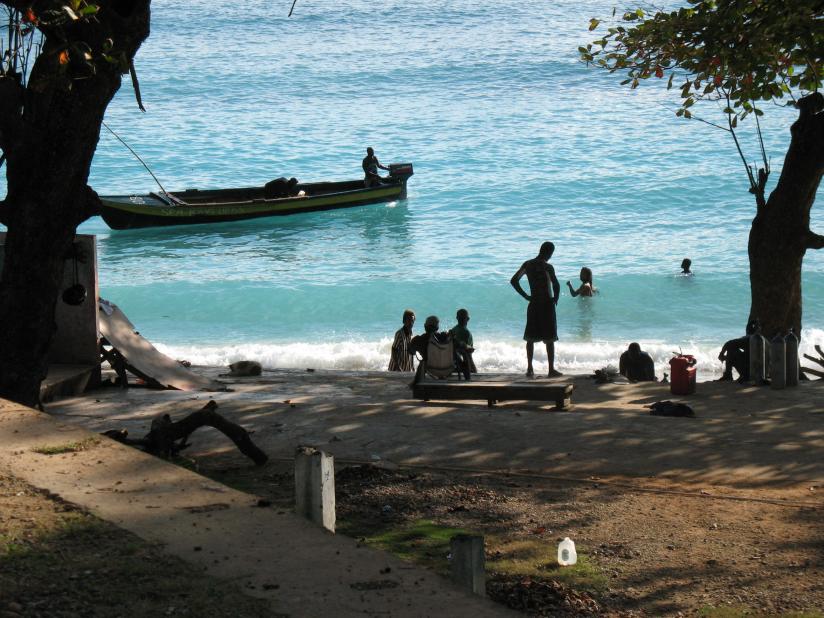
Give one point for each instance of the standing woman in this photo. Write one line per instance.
(401, 359)
(587, 288)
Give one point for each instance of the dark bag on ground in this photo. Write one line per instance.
(671, 408)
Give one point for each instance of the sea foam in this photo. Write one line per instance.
(491, 356)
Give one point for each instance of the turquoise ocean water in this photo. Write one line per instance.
(514, 142)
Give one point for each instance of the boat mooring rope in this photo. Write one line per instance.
(137, 156)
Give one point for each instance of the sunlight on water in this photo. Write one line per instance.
(514, 142)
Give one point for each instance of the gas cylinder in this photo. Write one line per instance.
(778, 362)
(683, 372)
(758, 356)
(791, 344)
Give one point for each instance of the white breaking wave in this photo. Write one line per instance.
(491, 356)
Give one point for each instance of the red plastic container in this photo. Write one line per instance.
(682, 375)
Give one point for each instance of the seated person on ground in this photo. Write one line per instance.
(735, 354)
(420, 343)
(587, 287)
(636, 365)
(462, 340)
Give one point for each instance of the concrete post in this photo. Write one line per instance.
(315, 486)
(467, 567)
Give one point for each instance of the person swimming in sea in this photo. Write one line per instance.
(685, 268)
(587, 288)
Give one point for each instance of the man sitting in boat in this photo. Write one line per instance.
(280, 187)
(370, 166)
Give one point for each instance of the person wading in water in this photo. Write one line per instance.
(541, 324)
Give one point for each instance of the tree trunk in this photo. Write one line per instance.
(780, 233)
(49, 133)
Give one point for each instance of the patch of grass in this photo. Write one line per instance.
(424, 542)
(68, 447)
(427, 544)
(538, 558)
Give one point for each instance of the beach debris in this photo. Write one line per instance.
(541, 597)
(671, 408)
(243, 369)
(605, 375)
(168, 438)
(819, 373)
(567, 556)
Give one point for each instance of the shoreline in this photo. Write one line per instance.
(500, 357)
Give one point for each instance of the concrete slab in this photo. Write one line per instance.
(302, 569)
(67, 380)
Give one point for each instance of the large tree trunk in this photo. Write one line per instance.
(780, 233)
(49, 133)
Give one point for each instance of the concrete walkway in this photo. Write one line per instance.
(302, 569)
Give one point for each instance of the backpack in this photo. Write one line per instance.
(671, 408)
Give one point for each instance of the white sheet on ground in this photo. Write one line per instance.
(147, 359)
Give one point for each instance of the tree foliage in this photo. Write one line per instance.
(740, 52)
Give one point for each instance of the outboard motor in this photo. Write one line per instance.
(400, 172)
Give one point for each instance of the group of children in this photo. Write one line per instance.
(405, 346)
(635, 364)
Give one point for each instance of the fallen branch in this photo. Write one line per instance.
(820, 361)
(167, 438)
(813, 372)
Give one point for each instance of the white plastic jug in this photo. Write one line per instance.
(566, 552)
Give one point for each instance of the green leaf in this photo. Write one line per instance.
(593, 24)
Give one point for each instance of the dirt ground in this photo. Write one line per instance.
(641, 553)
(58, 561)
(717, 515)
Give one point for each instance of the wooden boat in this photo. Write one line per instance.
(123, 212)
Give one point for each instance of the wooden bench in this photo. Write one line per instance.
(494, 392)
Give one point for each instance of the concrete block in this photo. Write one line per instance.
(467, 567)
(315, 486)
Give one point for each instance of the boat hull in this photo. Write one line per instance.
(140, 211)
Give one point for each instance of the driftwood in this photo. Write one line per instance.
(815, 372)
(167, 438)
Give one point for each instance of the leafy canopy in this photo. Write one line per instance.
(740, 52)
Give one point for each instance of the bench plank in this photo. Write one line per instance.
(493, 392)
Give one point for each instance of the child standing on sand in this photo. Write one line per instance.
(401, 359)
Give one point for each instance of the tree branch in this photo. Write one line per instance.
(814, 241)
(11, 102)
(167, 438)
